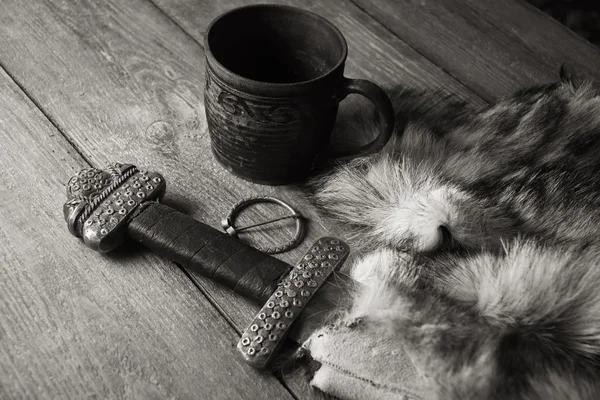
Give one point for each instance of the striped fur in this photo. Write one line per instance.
(480, 229)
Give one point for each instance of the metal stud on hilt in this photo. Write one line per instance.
(228, 222)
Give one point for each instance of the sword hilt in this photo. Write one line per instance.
(105, 206)
(207, 251)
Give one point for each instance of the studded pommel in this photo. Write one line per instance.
(99, 202)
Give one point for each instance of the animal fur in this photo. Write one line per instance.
(480, 229)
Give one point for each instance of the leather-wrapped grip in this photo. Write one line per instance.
(202, 249)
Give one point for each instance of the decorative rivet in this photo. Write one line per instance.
(268, 327)
(287, 285)
(289, 314)
(308, 257)
(101, 221)
(328, 248)
(293, 275)
(297, 303)
(103, 231)
(157, 179)
(122, 211)
(114, 220)
(304, 293)
(141, 195)
(270, 304)
(254, 328)
(125, 186)
(334, 241)
(278, 293)
(119, 202)
(251, 351)
(259, 339)
(86, 187)
(245, 341)
(307, 274)
(262, 315)
(280, 325)
(137, 185)
(90, 174)
(275, 315)
(272, 337)
(149, 187)
(325, 264)
(299, 284)
(110, 211)
(300, 266)
(318, 274)
(333, 256)
(316, 249)
(144, 178)
(89, 222)
(264, 350)
(97, 186)
(313, 265)
(128, 193)
(340, 248)
(75, 187)
(284, 304)
(312, 283)
(291, 293)
(131, 202)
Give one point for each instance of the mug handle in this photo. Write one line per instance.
(384, 107)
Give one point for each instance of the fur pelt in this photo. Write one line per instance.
(480, 233)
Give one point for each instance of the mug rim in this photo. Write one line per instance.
(270, 86)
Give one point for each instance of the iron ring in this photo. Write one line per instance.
(228, 222)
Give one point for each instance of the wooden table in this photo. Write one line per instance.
(93, 82)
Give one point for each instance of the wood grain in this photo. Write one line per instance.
(76, 324)
(374, 53)
(123, 82)
(493, 47)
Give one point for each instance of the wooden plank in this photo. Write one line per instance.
(124, 83)
(127, 84)
(373, 52)
(493, 47)
(76, 324)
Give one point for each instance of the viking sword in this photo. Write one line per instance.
(105, 206)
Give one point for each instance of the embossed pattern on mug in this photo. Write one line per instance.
(238, 122)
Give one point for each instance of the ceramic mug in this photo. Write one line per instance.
(274, 80)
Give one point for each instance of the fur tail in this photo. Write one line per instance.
(546, 295)
(395, 201)
(398, 198)
(493, 327)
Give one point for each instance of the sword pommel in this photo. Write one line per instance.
(99, 202)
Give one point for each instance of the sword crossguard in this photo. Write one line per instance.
(271, 325)
(99, 202)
